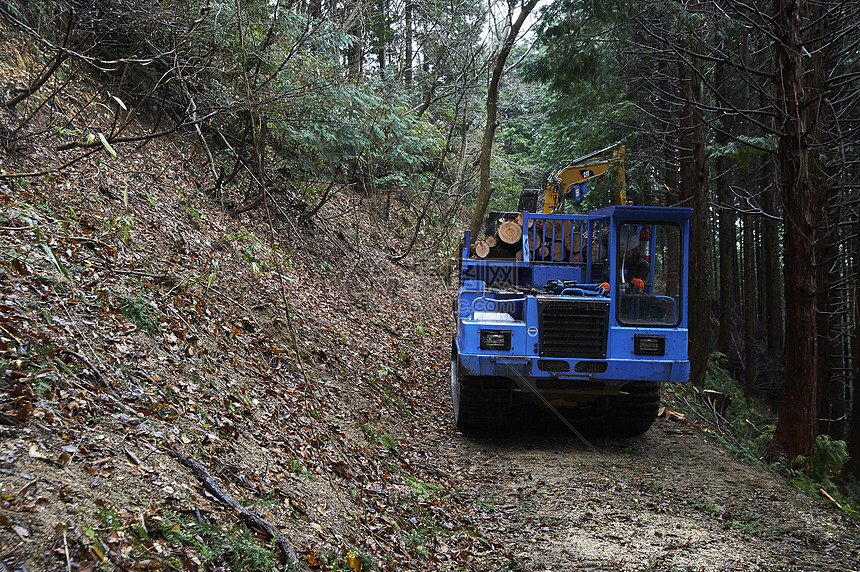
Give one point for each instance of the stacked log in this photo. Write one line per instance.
(482, 249)
(548, 240)
(541, 253)
(510, 232)
(504, 244)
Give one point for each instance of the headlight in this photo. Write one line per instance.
(649, 345)
(495, 339)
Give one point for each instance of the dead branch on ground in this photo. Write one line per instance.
(248, 516)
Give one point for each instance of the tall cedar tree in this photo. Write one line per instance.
(798, 30)
(694, 190)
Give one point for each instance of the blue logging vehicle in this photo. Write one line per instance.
(584, 314)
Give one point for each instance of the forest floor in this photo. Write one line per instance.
(174, 380)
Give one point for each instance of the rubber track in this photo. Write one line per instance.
(633, 414)
(485, 404)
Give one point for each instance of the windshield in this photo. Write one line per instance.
(648, 264)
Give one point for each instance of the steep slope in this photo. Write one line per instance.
(139, 320)
(143, 327)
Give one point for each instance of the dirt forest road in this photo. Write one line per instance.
(669, 500)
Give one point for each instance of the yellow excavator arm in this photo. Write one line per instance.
(579, 170)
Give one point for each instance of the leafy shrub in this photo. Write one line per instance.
(819, 474)
(828, 457)
(213, 544)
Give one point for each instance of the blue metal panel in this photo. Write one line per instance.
(471, 301)
(650, 370)
(493, 271)
(621, 342)
(532, 347)
(542, 273)
(511, 367)
(471, 339)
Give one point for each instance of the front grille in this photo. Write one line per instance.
(573, 329)
(570, 384)
(590, 367)
(553, 365)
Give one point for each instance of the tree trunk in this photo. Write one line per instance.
(775, 323)
(749, 299)
(798, 28)
(382, 48)
(750, 252)
(492, 112)
(728, 262)
(355, 54)
(727, 232)
(354, 25)
(829, 306)
(853, 464)
(694, 188)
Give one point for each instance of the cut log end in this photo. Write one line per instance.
(510, 232)
(482, 249)
(540, 253)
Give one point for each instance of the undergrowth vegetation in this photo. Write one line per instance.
(745, 425)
